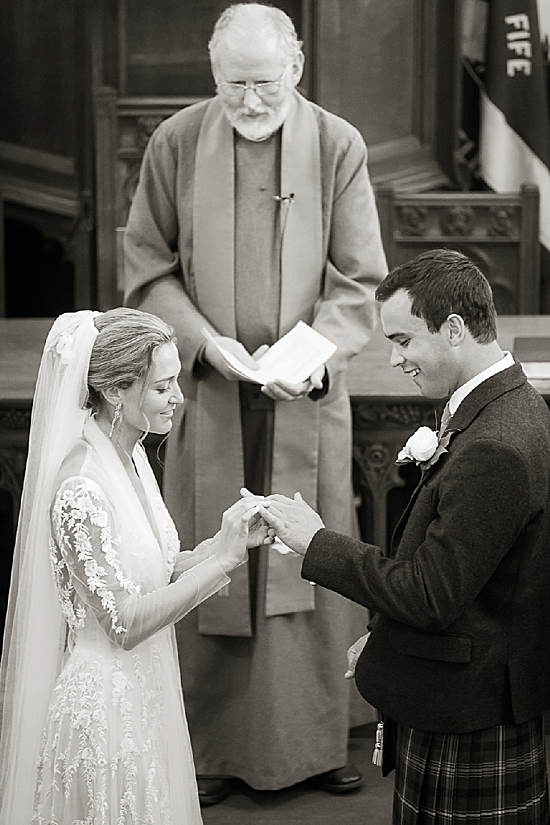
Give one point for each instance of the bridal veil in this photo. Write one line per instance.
(34, 635)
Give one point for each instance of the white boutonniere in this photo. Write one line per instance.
(424, 447)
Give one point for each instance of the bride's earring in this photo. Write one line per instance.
(116, 417)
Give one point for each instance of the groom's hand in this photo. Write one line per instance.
(294, 521)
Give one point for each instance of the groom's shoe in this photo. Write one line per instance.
(213, 789)
(339, 780)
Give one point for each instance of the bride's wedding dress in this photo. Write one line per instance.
(116, 747)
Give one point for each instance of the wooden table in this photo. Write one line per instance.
(370, 373)
(387, 407)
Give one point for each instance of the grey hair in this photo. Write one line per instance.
(123, 350)
(277, 19)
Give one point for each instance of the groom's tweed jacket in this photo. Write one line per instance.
(462, 637)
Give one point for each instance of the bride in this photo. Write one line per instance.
(93, 725)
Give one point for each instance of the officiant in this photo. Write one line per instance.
(254, 210)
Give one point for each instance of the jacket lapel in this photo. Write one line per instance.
(487, 392)
(469, 409)
(398, 532)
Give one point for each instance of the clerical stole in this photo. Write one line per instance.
(296, 429)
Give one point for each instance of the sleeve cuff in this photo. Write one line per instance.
(210, 577)
(201, 367)
(316, 394)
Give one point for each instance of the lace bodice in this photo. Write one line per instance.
(85, 559)
(121, 586)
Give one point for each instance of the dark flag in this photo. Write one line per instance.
(515, 116)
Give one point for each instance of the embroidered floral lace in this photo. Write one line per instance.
(116, 741)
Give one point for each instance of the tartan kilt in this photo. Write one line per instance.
(496, 776)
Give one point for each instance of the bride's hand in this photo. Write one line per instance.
(259, 532)
(234, 533)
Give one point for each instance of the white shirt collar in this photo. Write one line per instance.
(460, 394)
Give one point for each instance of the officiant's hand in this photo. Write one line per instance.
(294, 521)
(215, 359)
(284, 391)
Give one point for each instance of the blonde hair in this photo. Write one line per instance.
(123, 350)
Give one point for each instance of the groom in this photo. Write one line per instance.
(458, 660)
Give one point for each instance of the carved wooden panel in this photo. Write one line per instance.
(14, 431)
(380, 429)
(123, 127)
(498, 232)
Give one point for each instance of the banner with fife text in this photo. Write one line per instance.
(515, 117)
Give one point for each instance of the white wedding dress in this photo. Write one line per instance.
(116, 748)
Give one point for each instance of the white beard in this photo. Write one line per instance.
(261, 128)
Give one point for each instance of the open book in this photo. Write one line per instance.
(292, 358)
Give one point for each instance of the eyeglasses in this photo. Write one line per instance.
(265, 88)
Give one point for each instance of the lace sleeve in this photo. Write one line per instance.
(89, 573)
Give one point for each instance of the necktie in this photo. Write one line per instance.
(445, 419)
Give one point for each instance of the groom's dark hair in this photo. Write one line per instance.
(441, 282)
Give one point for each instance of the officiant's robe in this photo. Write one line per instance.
(265, 696)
